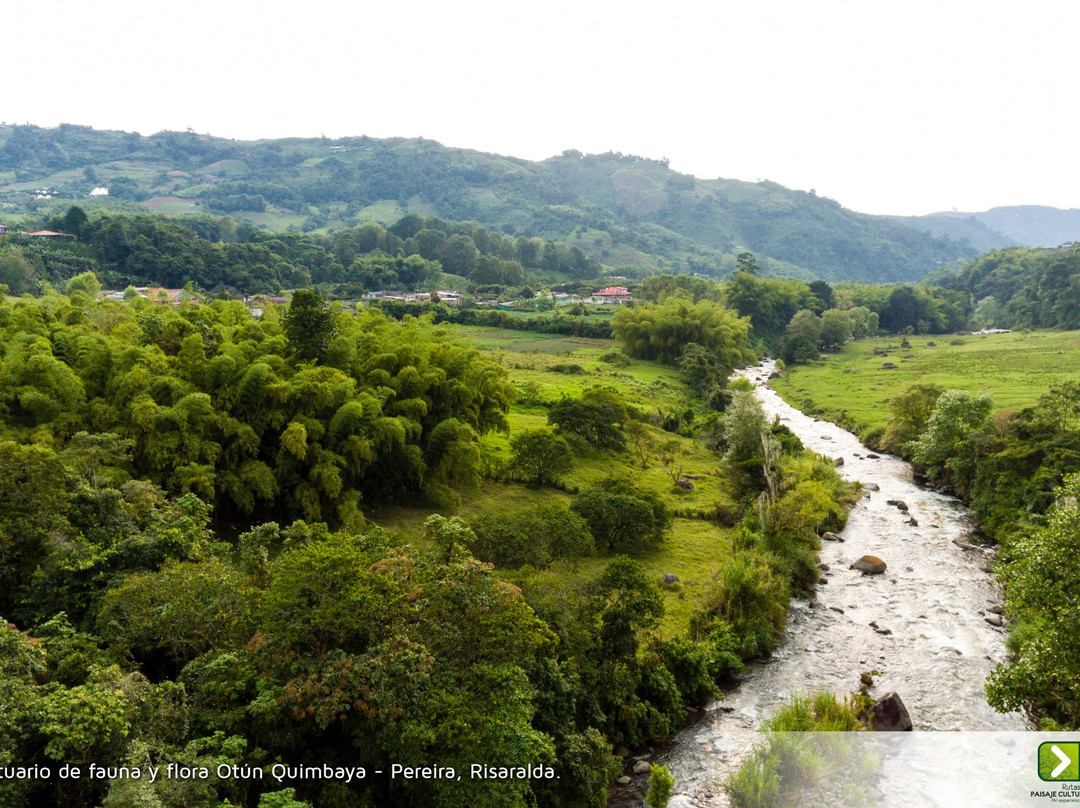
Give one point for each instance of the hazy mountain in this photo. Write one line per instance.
(962, 227)
(1029, 225)
(619, 209)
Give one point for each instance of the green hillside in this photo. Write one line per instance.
(619, 209)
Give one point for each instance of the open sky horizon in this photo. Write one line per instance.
(886, 108)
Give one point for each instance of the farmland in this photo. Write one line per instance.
(854, 386)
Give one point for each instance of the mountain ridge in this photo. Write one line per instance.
(1004, 226)
(621, 210)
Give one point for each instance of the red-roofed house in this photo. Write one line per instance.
(612, 294)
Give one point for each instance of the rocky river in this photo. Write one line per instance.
(928, 628)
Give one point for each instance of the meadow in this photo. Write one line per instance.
(853, 387)
(538, 366)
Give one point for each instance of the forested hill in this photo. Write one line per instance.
(620, 210)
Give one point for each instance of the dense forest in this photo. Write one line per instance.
(216, 253)
(1020, 287)
(188, 576)
(619, 210)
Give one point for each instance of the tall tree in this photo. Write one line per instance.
(309, 325)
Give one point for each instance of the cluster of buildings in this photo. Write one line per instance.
(156, 294)
(449, 298)
(610, 295)
(613, 295)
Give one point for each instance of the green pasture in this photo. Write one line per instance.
(854, 386)
(693, 549)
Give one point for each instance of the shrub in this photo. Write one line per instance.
(535, 536)
(621, 517)
(539, 456)
(568, 369)
(752, 598)
(596, 417)
(661, 784)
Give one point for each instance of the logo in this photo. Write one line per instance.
(1059, 761)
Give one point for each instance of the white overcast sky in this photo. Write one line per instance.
(886, 106)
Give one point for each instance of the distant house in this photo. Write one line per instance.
(612, 294)
(172, 297)
(3, 229)
(48, 234)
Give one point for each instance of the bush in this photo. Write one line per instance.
(621, 517)
(752, 598)
(539, 456)
(568, 369)
(596, 417)
(698, 664)
(661, 784)
(615, 358)
(535, 536)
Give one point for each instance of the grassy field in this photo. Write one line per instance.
(854, 388)
(694, 548)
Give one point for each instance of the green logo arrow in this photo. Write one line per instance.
(1059, 761)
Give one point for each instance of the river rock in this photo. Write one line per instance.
(871, 486)
(912, 522)
(828, 535)
(622, 752)
(871, 565)
(671, 578)
(642, 767)
(872, 456)
(888, 715)
(994, 619)
(838, 462)
(899, 504)
(963, 544)
(996, 610)
(625, 780)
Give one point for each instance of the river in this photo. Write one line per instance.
(922, 626)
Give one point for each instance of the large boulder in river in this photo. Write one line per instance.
(888, 715)
(871, 565)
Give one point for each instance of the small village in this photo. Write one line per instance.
(606, 296)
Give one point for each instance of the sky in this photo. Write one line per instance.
(887, 107)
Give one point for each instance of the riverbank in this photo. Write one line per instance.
(920, 629)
